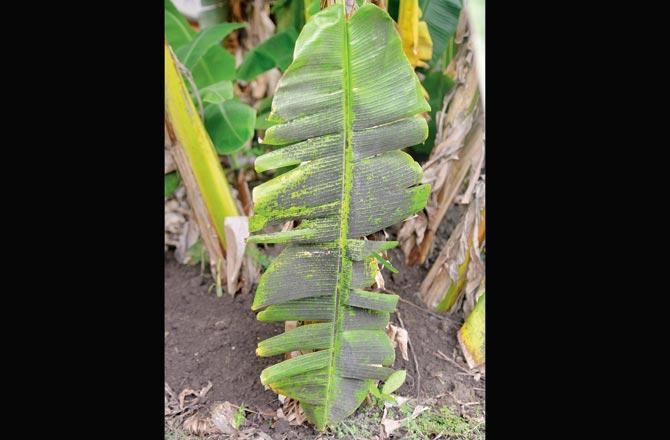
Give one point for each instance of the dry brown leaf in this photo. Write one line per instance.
(185, 393)
(237, 231)
(390, 425)
(288, 326)
(199, 424)
(463, 242)
(379, 279)
(170, 164)
(223, 416)
(188, 237)
(400, 338)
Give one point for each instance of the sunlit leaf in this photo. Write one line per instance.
(416, 40)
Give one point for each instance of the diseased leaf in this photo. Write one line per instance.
(342, 111)
(230, 124)
(276, 51)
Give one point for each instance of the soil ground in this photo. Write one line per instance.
(214, 339)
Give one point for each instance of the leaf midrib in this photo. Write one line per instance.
(342, 281)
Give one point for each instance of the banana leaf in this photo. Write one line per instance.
(342, 111)
(472, 336)
(442, 19)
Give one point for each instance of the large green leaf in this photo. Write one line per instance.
(230, 124)
(276, 51)
(345, 106)
(442, 19)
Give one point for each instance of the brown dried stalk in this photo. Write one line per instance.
(461, 252)
(217, 254)
(459, 150)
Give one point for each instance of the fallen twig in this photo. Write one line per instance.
(433, 314)
(453, 362)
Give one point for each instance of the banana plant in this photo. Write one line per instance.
(229, 122)
(344, 108)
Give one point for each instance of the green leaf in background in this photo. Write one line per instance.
(276, 51)
(393, 7)
(213, 12)
(172, 181)
(191, 53)
(437, 84)
(217, 92)
(177, 30)
(442, 19)
(230, 124)
(264, 108)
(289, 14)
(216, 65)
(197, 253)
(395, 381)
(312, 7)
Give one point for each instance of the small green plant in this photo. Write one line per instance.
(239, 417)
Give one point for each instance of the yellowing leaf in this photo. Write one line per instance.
(416, 41)
(472, 336)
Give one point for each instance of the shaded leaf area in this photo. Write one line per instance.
(290, 14)
(172, 181)
(342, 111)
(442, 19)
(276, 51)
